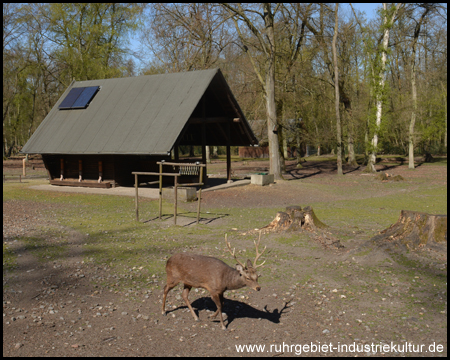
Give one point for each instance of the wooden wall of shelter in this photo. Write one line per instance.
(114, 170)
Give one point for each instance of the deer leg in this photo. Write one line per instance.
(217, 311)
(218, 300)
(185, 294)
(167, 288)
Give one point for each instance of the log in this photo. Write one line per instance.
(385, 177)
(415, 230)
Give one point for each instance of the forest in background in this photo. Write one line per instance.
(312, 74)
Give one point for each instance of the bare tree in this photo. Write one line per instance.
(336, 91)
(187, 36)
(427, 8)
(389, 16)
(320, 28)
(264, 37)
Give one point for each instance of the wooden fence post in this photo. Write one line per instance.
(136, 200)
(160, 190)
(175, 193)
(199, 194)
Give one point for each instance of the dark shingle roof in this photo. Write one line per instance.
(135, 115)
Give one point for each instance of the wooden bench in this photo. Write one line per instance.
(189, 173)
(83, 183)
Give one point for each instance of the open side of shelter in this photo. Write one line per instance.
(100, 131)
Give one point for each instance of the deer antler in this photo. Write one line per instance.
(258, 255)
(232, 252)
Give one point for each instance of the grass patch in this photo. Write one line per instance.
(137, 251)
(49, 246)
(9, 258)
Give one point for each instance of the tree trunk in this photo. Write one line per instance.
(379, 93)
(445, 111)
(336, 101)
(413, 119)
(272, 126)
(351, 150)
(414, 102)
(351, 143)
(208, 154)
(413, 89)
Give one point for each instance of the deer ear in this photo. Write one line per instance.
(249, 264)
(239, 268)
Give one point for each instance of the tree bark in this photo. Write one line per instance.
(336, 91)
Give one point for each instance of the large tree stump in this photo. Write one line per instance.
(297, 219)
(416, 230)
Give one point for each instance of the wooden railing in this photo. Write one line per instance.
(184, 169)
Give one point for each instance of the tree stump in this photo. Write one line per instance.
(297, 219)
(416, 230)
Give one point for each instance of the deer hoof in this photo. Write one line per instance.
(164, 313)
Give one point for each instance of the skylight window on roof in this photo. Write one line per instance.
(79, 98)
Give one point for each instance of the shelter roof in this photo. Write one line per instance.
(144, 115)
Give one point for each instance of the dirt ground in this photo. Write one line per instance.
(57, 308)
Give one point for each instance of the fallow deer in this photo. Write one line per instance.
(212, 274)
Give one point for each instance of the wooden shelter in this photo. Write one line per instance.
(100, 131)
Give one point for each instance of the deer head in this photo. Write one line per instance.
(248, 273)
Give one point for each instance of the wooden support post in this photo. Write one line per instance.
(176, 153)
(136, 199)
(114, 171)
(100, 172)
(199, 195)
(204, 144)
(204, 132)
(61, 172)
(24, 168)
(80, 170)
(175, 193)
(160, 190)
(228, 153)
